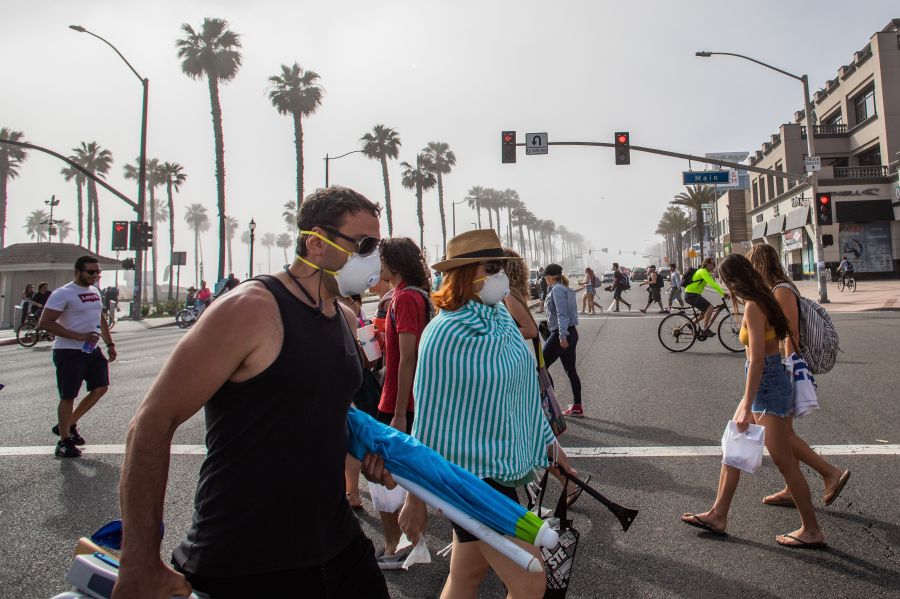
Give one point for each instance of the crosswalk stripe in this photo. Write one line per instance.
(676, 451)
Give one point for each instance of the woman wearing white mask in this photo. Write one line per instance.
(478, 404)
(562, 316)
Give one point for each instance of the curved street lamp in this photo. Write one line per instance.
(252, 240)
(329, 158)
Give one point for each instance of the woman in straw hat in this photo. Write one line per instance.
(478, 403)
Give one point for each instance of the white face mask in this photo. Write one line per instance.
(359, 273)
(496, 287)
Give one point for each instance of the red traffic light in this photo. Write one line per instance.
(622, 138)
(824, 199)
(119, 227)
(507, 138)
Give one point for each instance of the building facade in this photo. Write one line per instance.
(857, 139)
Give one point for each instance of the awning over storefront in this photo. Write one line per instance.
(775, 225)
(759, 231)
(796, 219)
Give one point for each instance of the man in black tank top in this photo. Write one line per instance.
(270, 515)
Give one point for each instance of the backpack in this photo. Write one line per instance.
(626, 281)
(819, 341)
(429, 308)
(688, 277)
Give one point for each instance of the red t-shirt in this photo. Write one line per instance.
(408, 309)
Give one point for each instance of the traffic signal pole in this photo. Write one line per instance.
(814, 187)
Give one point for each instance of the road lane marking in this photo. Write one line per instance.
(676, 451)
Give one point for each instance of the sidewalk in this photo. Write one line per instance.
(8, 336)
(869, 295)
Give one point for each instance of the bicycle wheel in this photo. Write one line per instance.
(851, 284)
(27, 335)
(677, 333)
(729, 333)
(841, 285)
(181, 319)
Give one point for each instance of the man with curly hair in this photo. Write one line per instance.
(404, 267)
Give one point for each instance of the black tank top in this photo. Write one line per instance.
(271, 490)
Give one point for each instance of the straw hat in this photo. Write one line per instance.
(471, 247)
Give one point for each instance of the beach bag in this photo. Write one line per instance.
(558, 561)
(803, 385)
(743, 451)
(819, 341)
(549, 404)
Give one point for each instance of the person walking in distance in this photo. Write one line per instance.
(654, 285)
(619, 286)
(542, 285)
(693, 293)
(275, 402)
(562, 317)
(767, 400)
(766, 261)
(675, 287)
(73, 314)
(404, 267)
(591, 282)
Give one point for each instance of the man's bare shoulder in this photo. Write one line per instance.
(247, 304)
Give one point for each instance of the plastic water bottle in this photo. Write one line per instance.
(89, 346)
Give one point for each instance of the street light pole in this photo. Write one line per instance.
(252, 240)
(329, 158)
(454, 215)
(137, 292)
(811, 151)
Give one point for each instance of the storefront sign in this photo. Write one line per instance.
(867, 246)
(792, 240)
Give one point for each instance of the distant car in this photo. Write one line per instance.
(639, 274)
(576, 276)
(534, 283)
(608, 276)
(665, 273)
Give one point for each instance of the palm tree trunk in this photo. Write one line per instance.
(153, 245)
(171, 205)
(478, 212)
(509, 236)
(4, 176)
(220, 168)
(196, 257)
(90, 217)
(284, 249)
(387, 196)
(440, 182)
(421, 216)
(490, 219)
(96, 219)
(298, 151)
(80, 187)
(521, 239)
(497, 210)
(230, 262)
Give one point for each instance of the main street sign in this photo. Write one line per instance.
(705, 177)
(535, 143)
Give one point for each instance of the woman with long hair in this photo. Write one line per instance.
(478, 404)
(767, 400)
(562, 316)
(590, 292)
(765, 260)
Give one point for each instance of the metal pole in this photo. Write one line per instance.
(177, 283)
(454, 218)
(253, 239)
(142, 190)
(326, 186)
(814, 186)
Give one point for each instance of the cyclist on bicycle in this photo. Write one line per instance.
(846, 269)
(693, 293)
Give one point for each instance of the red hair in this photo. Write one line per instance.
(457, 288)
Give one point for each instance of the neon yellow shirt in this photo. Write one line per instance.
(701, 279)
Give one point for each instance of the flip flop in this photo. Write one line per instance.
(572, 497)
(699, 523)
(779, 500)
(800, 544)
(829, 498)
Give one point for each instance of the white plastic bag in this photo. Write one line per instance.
(418, 555)
(743, 451)
(386, 500)
(803, 384)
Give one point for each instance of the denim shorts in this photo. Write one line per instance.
(775, 394)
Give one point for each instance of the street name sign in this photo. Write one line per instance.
(705, 177)
(813, 163)
(535, 143)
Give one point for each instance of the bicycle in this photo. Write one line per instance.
(109, 313)
(846, 282)
(186, 318)
(677, 332)
(28, 333)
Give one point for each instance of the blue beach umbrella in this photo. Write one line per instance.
(407, 458)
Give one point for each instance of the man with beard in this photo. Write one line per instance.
(270, 516)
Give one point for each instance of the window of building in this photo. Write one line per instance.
(755, 189)
(835, 118)
(871, 157)
(864, 105)
(770, 187)
(779, 182)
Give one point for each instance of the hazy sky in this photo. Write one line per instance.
(457, 72)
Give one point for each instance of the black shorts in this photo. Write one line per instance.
(617, 293)
(655, 295)
(386, 417)
(73, 367)
(352, 573)
(463, 535)
(698, 301)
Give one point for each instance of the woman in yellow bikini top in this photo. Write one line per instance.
(744, 335)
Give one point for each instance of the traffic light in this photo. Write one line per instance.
(135, 236)
(128, 264)
(623, 149)
(827, 240)
(508, 147)
(147, 239)
(120, 235)
(823, 209)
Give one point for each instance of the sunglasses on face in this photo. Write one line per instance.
(96, 271)
(492, 268)
(364, 246)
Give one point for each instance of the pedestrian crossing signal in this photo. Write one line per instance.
(120, 235)
(508, 147)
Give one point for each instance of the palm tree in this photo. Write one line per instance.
(198, 220)
(268, 241)
(296, 92)
(70, 173)
(285, 241)
(174, 177)
(520, 215)
(63, 229)
(694, 199)
(442, 160)
(97, 161)
(290, 215)
(511, 201)
(11, 157)
(383, 143)
(672, 225)
(421, 179)
(36, 225)
(474, 199)
(213, 53)
(231, 225)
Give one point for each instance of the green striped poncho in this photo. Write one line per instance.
(477, 396)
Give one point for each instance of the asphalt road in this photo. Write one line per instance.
(636, 395)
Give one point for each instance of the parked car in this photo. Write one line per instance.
(664, 273)
(639, 273)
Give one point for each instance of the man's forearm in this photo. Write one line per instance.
(54, 328)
